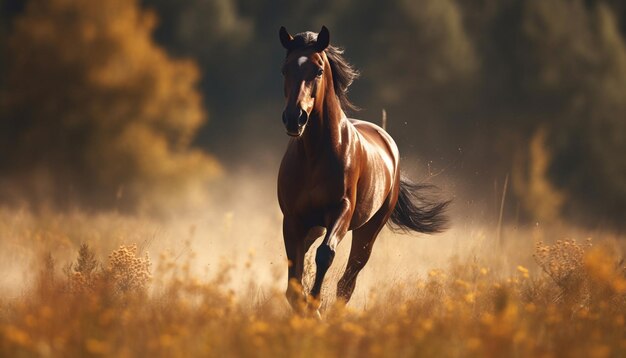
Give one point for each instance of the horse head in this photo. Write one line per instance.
(305, 81)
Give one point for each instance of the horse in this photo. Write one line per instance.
(338, 174)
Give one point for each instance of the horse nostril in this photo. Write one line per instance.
(303, 118)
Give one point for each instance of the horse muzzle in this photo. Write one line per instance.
(295, 122)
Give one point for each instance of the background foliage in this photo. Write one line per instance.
(472, 88)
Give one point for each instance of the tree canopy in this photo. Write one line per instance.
(95, 113)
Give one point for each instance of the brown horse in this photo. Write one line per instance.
(338, 174)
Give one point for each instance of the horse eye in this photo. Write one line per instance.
(319, 72)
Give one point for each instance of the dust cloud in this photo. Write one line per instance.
(239, 230)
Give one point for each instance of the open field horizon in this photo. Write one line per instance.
(245, 231)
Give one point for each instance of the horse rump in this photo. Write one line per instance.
(418, 209)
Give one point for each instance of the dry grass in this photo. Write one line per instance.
(121, 304)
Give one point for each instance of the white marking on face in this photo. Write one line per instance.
(302, 60)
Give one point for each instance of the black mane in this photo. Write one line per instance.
(343, 72)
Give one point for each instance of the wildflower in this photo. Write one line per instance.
(600, 351)
(129, 272)
(523, 271)
(462, 283)
(353, 329)
(166, 340)
(600, 266)
(473, 344)
(259, 327)
(17, 336)
(427, 325)
(95, 346)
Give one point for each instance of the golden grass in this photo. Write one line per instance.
(572, 303)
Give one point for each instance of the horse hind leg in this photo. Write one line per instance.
(363, 240)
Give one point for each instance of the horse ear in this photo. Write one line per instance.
(285, 38)
(323, 39)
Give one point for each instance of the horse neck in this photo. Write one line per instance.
(325, 126)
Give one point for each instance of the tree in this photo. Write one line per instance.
(577, 63)
(95, 114)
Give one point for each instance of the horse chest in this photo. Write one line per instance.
(324, 194)
(310, 194)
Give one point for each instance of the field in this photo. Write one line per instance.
(140, 142)
(83, 284)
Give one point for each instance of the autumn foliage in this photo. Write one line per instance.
(95, 114)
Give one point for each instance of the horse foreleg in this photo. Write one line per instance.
(295, 247)
(338, 223)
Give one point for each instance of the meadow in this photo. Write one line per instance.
(140, 142)
(108, 285)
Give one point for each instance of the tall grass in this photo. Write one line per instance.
(127, 304)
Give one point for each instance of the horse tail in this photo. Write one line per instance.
(416, 209)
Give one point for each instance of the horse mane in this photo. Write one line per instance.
(343, 72)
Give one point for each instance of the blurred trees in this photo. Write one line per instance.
(217, 36)
(424, 41)
(531, 182)
(94, 113)
(489, 87)
(576, 76)
(530, 88)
